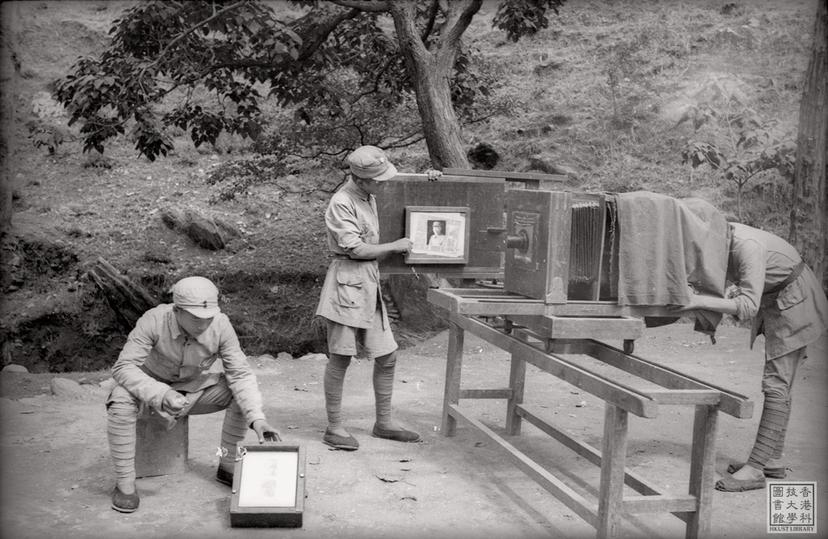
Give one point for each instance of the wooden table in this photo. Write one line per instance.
(531, 334)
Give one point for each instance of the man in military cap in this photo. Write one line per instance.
(351, 299)
(182, 359)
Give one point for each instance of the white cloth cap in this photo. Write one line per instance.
(196, 295)
(370, 162)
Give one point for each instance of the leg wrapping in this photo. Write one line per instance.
(334, 381)
(120, 430)
(384, 386)
(770, 437)
(233, 431)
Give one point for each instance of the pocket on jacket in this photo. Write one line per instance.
(349, 289)
(790, 295)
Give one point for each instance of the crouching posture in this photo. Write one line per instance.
(182, 359)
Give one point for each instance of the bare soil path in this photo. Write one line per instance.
(57, 475)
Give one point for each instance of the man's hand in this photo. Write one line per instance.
(402, 245)
(433, 175)
(265, 432)
(173, 402)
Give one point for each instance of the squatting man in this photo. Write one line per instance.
(182, 359)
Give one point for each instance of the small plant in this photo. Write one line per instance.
(749, 146)
(46, 135)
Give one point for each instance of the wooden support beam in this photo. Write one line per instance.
(503, 393)
(582, 327)
(454, 368)
(660, 504)
(549, 482)
(702, 462)
(626, 398)
(613, 455)
(517, 381)
(730, 402)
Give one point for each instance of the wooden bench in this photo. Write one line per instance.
(159, 450)
(543, 340)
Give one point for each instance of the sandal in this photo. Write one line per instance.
(771, 472)
(728, 483)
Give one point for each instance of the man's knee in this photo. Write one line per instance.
(776, 391)
(339, 361)
(122, 402)
(388, 361)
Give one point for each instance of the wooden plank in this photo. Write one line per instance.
(613, 455)
(504, 393)
(485, 198)
(592, 455)
(506, 175)
(702, 462)
(440, 298)
(626, 398)
(490, 305)
(448, 177)
(549, 482)
(730, 402)
(454, 367)
(660, 504)
(685, 396)
(582, 327)
(517, 383)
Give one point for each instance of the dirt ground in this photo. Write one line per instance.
(57, 476)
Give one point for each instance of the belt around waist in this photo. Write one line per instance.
(788, 280)
(346, 257)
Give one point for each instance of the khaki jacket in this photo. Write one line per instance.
(791, 319)
(158, 357)
(351, 292)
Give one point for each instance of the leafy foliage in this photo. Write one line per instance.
(159, 48)
(520, 18)
(337, 76)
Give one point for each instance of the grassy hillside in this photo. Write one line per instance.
(599, 93)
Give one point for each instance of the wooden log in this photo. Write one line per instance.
(127, 298)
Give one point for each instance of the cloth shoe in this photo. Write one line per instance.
(223, 476)
(346, 443)
(401, 435)
(728, 483)
(125, 503)
(771, 472)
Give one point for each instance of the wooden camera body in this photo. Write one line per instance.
(561, 246)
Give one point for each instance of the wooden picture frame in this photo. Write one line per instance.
(268, 486)
(440, 234)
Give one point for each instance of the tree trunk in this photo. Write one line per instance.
(809, 224)
(431, 74)
(10, 71)
(440, 125)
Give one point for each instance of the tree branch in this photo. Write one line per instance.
(452, 36)
(184, 34)
(364, 5)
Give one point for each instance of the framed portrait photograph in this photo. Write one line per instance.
(268, 486)
(440, 234)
